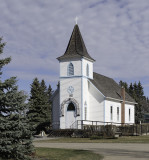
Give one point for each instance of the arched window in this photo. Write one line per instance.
(71, 107)
(70, 69)
(87, 70)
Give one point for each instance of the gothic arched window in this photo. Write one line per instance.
(71, 107)
(87, 70)
(70, 70)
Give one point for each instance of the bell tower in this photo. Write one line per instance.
(76, 67)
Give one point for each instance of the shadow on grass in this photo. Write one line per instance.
(65, 154)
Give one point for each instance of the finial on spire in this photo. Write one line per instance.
(76, 19)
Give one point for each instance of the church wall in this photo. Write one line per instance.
(85, 98)
(131, 118)
(85, 62)
(115, 118)
(64, 68)
(64, 84)
(96, 104)
(55, 112)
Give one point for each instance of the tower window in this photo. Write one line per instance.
(87, 70)
(70, 69)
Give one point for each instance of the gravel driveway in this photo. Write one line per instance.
(110, 151)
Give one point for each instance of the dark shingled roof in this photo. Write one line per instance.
(76, 47)
(108, 87)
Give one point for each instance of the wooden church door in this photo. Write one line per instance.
(70, 115)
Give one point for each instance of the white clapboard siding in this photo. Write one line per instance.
(131, 119)
(96, 104)
(115, 118)
(64, 84)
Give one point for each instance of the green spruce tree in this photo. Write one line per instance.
(15, 135)
(35, 100)
(138, 95)
(124, 84)
(39, 107)
(46, 107)
(50, 93)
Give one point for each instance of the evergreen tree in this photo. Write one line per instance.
(124, 84)
(136, 92)
(15, 135)
(39, 106)
(46, 106)
(50, 91)
(138, 96)
(35, 100)
(131, 90)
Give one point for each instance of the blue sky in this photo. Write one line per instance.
(116, 34)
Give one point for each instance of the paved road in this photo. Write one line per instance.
(110, 151)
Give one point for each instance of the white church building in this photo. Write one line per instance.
(85, 95)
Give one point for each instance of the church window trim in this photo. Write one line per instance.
(87, 70)
(68, 101)
(70, 70)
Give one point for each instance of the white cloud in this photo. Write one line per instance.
(116, 34)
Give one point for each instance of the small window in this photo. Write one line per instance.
(111, 112)
(70, 69)
(118, 113)
(71, 107)
(129, 115)
(87, 70)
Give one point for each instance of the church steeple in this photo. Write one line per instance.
(76, 47)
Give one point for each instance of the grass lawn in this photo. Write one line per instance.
(128, 139)
(65, 154)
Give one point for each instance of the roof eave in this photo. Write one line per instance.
(73, 57)
(114, 99)
(89, 59)
(120, 100)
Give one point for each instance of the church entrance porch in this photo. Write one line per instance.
(69, 113)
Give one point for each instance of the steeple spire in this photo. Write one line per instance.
(76, 47)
